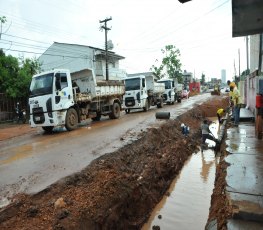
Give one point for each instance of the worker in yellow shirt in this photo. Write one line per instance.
(231, 102)
(236, 98)
(220, 113)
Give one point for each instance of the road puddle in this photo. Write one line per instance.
(187, 206)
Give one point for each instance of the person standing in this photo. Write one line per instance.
(237, 104)
(233, 84)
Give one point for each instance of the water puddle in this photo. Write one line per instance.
(187, 206)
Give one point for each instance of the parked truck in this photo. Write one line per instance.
(61, 98)
(141, 92)
(172, 91)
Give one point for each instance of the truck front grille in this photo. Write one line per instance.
(129, 101)
(38, 115)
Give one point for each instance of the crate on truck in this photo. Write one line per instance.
(61, 98)
(141, 92)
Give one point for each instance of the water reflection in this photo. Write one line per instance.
(206, 166)
(187, 207)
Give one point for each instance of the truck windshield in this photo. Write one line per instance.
(132, 84)
(41, 85)
(167, 84)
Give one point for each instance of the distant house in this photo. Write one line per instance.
(78, 57)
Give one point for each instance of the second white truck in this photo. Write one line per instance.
(61, 98)
(141, 92)
(172, 91)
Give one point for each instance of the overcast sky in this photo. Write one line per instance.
(200, 29)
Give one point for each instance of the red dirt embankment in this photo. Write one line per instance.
(119, 189)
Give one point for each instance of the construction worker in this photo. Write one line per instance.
(231, 102)
(236, 98)
(220, 113)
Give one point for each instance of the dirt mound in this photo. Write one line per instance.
(119, 189)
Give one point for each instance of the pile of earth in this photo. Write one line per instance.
(120, 189)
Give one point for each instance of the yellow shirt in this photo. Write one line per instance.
(230, 92)
(236, 96)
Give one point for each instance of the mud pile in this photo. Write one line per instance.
(119, 189)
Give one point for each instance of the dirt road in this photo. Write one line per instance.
(124, 185)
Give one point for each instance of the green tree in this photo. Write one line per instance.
(170, 65)
(15, 78)
(9, 68)
(157, 71)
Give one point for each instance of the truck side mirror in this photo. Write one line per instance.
(57, 81)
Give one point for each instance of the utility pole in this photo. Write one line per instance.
(247, 72)
(106, 44)
(2, 21)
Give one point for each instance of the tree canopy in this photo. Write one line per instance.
(170, 64)
(16, 74)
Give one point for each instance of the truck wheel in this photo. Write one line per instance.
(97, 118)
(116, 111)
(146, 108)
(179, 100)
(48, 129)
(71, 119)
(127, 111)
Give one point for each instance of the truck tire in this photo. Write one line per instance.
(48, 129)
(146, 108)
(116, 111)
(71, 119)
(97, 118)
(179, 100)
(127, 111)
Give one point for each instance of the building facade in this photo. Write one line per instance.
(223, 76)
(78, 57)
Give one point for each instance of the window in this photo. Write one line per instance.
(63, 80)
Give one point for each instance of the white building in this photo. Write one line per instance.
(78, 57)
(223, 76)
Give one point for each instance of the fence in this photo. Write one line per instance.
(7, 107)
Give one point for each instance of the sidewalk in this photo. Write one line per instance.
(245, 174)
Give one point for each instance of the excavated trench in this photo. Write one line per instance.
(118, 190)
(187, 206)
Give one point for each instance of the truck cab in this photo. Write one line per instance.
(135, 96)
(50, 96)
(141, 92)
(171, 94)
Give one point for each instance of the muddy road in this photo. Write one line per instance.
(119, 188)
(33, 161)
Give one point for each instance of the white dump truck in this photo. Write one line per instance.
(172, 91)
(141, 92)
(61, 98)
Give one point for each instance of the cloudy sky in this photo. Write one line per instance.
(200, 29)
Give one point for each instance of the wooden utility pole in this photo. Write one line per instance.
(106, 44)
